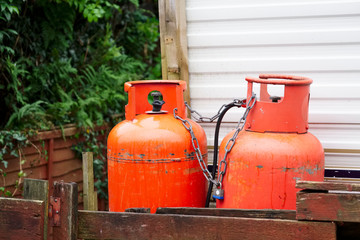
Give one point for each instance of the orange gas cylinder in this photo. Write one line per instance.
(151, 160)
(273, 150)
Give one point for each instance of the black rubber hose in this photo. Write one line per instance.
(216, 142)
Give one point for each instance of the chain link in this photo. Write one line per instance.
(199, 118)
(231, 142)
(196, 147)
(195, 143)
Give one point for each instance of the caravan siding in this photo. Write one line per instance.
(228, 40)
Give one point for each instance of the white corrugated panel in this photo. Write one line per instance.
(231, 39)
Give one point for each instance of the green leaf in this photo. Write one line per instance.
(7, 16)
(5, 163)
(20, 137)
(21, 174)
(12, 31)
(135, 2)
(13, 9)
(14, 153)
(3, 6)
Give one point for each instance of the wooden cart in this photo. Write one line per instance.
(325, 210)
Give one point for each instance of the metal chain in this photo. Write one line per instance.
(199, 118)
(231, 142)
(195, 142)
(196, 146)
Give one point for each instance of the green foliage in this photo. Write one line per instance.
(92, 144)
(8, 8)
(11, 143)
(66, 61)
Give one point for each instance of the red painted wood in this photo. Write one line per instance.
(50, 161)
(328, 206)
(68, 194)
(21, 219)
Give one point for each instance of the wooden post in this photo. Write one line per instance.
(173, 41)
(50, 161)
(68, 194)
(35, 189)
(21, 219)
(112, 225)
(90, 196)
(341, 204)
(221, 212)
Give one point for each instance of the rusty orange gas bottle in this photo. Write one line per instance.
(151, 160)
(274, 149)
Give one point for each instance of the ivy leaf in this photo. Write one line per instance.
(5, 163)
(14, 153)
(21, 174)
(19, 137)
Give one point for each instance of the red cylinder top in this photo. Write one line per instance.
(138, 91)
(289, 114)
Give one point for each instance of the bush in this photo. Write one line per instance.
(66, 61)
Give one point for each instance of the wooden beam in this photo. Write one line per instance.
(182, 45)
(220, 212)
(335, 186)
(111, 225)
(343, 207)
(67, 192)
(89, 195)
(35, 189)
(173, 42)
(50, 159)
(21, 219)
(138, 210)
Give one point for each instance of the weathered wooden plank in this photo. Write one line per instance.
(244, 213)
(68, 142)
(35, 172)
(173, 42)
(168, 50)
(63, 154)
(69, 130)
(335, 186)
(21, 219)
(328, 206)
(89, 195)
(182, 45)
(50, 165)
(65, 167)
(68, 194)
(110, 225)
(35, 189)
(32, 160)
(72, 176)
(138, 210)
